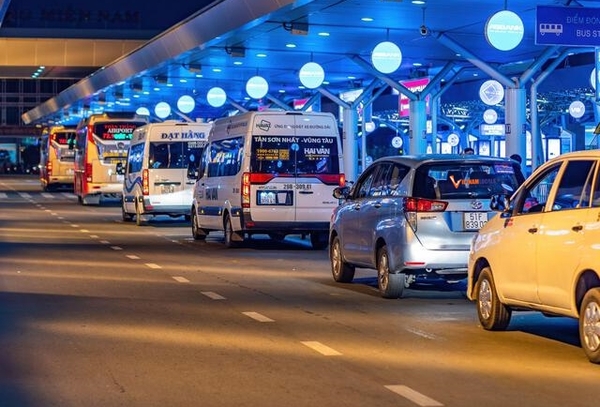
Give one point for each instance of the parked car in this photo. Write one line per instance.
(413, 216)
(543, 250)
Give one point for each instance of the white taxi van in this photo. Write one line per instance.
(161, 168)
(542, 251)
(269, 172)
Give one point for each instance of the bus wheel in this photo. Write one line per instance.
(230, 235)
(138, 215)
(197, 232)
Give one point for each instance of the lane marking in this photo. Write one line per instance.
(47, 210)
(3, 195)
(24, 195)
(47, 195)
(212, 295)
(84, 231)
(94, 236)
(117, 248)
(104, 242)
(68, 195)
(322, 349)
(74, 226)
(53, 213)
(420, 333)
(181, 279)
(414, 396)
(258, 317)
(153, 266)
(133, 257)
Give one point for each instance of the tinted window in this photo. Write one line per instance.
(533, 198)
(294, 155)
(175, 154)
(225, 157)
(575, 185)
(135, 158)
(463, 180)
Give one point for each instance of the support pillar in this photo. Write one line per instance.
(350, 122)
(515, 125)
(367, 118)
(417, 124)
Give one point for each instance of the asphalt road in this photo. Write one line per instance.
(98, 312)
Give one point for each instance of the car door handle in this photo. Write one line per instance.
(305, 192)
(532, 230)
(577, 228)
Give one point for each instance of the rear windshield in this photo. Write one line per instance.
(293, 155)
(175, 154)
(463, 180)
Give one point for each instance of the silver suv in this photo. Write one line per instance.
(413, 216)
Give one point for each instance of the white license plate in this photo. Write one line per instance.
(474, 220)
(120, 177)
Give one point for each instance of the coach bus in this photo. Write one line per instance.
(56, 158)
(102, 141)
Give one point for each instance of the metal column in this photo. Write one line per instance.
(418, 127)
(515, 124)
(350, 122)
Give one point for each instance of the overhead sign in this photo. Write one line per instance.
(491, 92)
(573, 26)
(414, 85)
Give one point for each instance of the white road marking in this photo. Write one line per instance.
(60, 217)
(133, 257)
(68, 195)
(94, 236)
(3, 195)
(117, 248)
(420, 333)
(181, 279)
(414, 396)
(256, 316)
(74, 226)
(47, 210)
(53, 213)
(322, 349)
(84, 231)
(47, 195)
(212, 295)
(24, 195)
(104, 242)
(153, 266)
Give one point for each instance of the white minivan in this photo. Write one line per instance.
(162, 165)
(269, 172)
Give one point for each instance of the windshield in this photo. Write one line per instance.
(175, 154)
(293, 156)
(463, 180)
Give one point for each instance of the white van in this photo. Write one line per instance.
(57, 158)
(162, 165)
(269, 172)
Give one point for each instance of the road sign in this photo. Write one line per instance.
(573, 26)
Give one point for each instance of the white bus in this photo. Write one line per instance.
(102, 143)
(162, 166)
(270, 172)
(57, 158)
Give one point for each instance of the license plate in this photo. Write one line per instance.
(167, 189)
(474, 220)
(120, 177)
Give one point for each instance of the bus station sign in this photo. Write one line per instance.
(572, 26)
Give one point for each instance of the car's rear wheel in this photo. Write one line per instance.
(342, 271)
(139, 221)
(493, 315)
(589, 325)
(127, 217)
(197, 232)
(390, 285)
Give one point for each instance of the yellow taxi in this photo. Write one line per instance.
(542, 250)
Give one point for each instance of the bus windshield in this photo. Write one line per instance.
(175, 154)
(294, 156)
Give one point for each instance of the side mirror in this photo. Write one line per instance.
(500, 202)
(341, 192)
(120, 168)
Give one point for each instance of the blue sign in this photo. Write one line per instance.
(573, 26)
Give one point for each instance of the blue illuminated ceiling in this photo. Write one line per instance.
(233, 40)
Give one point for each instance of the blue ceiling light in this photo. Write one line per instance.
(162, 110)
(504, 30)
(186, 104)
(216, 97)
(257, 87)
(311, 75)
(323, 34)
(386, 57)
(367, 19)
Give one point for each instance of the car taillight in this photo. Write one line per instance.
(412, 206)
(424, 205)
(246, 177)
(88, 171)
(145, 183)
